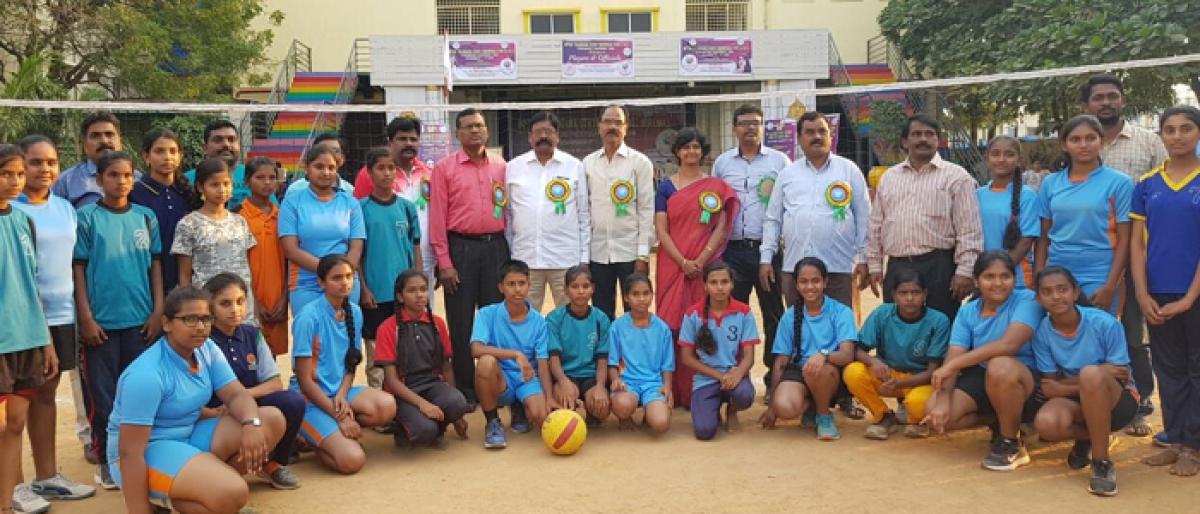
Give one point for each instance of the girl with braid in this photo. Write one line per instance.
(1008, 208)
(413, 348)
(717, 339)
(326, 350)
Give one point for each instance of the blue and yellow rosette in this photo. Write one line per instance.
(423, 194)
(621, 192)
(499, 199)
(764, 189)
(710, 204)
(838, 196)
(559, 191)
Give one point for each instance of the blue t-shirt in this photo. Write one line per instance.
(1082, 216)
(163, 391)
(322, 228)
(494, 327)
(170, 205)
(1099, 339)
(56, 226)
(827, 330)
(117, 247)
(392, 230)
(904, 345)
(1172, 215)
(733, 330)
(645, 353)
(972, 329)
(995, 211)
(578, 342)
(319, 332)
(24, 324)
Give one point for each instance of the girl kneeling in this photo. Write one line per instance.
(641, 360)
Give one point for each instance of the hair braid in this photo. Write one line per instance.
(797, 330)
(1012, 232)
(704, 337)
(353, 354)
(438, 357)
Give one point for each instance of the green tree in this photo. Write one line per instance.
(947, 38)
(28, 82)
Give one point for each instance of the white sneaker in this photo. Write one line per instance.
(25, 501)
(59, 487)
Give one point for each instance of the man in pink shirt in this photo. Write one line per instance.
(466, 230)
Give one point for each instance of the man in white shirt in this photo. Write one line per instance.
(549, 223)
(621, 191)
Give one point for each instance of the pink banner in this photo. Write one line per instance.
(480, 60)
(715, 56)
(597, 58)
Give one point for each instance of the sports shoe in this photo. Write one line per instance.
(1080, 455)
(1006, 455)
(826, 430)
(1161, 440)
(104, 478)
(24, 500)
(518, 421)
(494, 435)
(884, 429)
(59, 487)
(916, 431)
(1104, 478)
(282, 478)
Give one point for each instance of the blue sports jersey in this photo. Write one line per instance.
(904, 345)
(1172, 215)
(24, 325)
(322, 228)
(645, 353)
(578, 341)
(494, 327)
(972, 329)
(56, 226)
(995, 211)
(318, 331)
(392, 231)
(733, 330)
(827, 330)
(1099, 339)
(163, 391)
(1083, 220)
(118, 247)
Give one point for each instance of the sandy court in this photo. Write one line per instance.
(747, 471)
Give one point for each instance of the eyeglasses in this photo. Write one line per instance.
(749, 124)
(612, 121)
(191, 321)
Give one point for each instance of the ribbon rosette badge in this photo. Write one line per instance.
(423, 197)
(499, 199)
(838, 195)
(764, 189)
(559, 191)
(710, 204)
(621, 193)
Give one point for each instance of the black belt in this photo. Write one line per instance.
(936, 254)
(744, 243)
(478, 237)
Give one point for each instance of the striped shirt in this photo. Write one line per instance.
(919, 211)
(1135, 152)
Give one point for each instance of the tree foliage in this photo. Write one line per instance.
(948, 38)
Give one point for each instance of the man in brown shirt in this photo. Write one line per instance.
(926, 218)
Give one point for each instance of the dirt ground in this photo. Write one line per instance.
(751, 470)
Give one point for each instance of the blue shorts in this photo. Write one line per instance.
(518, 389)
(318, 424)
(646, 392)
(166, 458)
(1089, 288)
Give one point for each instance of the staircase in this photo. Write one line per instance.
(292, 132)
(858, 106)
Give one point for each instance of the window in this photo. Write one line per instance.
(550, 23)
(625, 22)
(714, 15)
(468, 16)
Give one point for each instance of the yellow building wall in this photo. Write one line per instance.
(851, 22)
(330, 28)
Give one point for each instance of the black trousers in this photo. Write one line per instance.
(478, 261)
(743, 257)
(1176, 347)
(936, 268)
(419, 429)
(605, 277)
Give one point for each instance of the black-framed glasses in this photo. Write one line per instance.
(192, 320)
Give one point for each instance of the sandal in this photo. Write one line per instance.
(1165, 457)
(1139, 427)
(1188, 464)
(851, 409)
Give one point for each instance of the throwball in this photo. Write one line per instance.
(564, 431)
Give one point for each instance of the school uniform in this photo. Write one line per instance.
(55, 222)
(1099, 339)
(907, 347)
(642, 355)
(494, 327)
(250, 358)
(995, 211)
(23, 333)
(974, 329)
(1083, 220)
(170, 205)
(163, 391)
(824, 332)
(319, 332)
(579, 342)
(418, 348)
(734, 332)
(321, 227)
(392, 231)
(117, 248)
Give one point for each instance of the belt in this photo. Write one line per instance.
(744, 243)
(478, 237)
(925, 256)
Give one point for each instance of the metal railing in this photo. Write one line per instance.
(362, 55)
(346, 89)
(258, 125)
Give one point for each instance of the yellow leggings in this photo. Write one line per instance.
(865, 386)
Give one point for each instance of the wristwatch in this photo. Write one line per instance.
(252, 422)
(824, 353)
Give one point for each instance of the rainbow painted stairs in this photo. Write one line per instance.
(291, 131)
